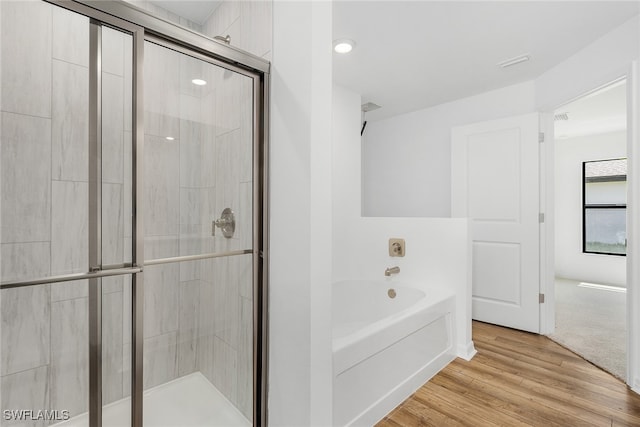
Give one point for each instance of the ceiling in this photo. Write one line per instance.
(602, 111)
(411, 55)
(197, 11)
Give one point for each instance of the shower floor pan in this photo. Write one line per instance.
(188, 401)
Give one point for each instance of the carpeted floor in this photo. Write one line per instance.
(592, 323)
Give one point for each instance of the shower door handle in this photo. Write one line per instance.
(226, 222)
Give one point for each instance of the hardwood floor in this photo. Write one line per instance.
(518, 379)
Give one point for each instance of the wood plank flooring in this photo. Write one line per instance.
(518, 379)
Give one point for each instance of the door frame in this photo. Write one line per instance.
(547, 204)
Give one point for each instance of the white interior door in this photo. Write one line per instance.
(495, 184)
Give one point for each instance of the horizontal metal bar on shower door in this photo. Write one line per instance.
(117, 271)
(71, 277)
(197, 257)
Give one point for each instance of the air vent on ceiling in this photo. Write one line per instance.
(513, 61)
(561, 116)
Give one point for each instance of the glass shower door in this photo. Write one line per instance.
(66, 215)
(198, 224)
(83, 197)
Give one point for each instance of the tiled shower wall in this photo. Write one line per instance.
(44, 214)
(248, 22)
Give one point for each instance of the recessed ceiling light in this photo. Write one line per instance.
(343, 45)
(169, 138)
(199, 82)
(513, 61)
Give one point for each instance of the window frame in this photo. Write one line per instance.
(585, 206)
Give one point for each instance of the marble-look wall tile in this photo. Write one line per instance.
(112, 224)
(25, 314)
(190, 228)
(208, 97)
(245, 358)
(26, 390)
(161, 299)
(70, 37)
(69, 227)
(226, 307)
(112, 51)
(256, 26)
(26, 178)
(161, 187)
(126, 337)
(228, 102)
(112, 342)
(190, 211)
(162, 12)
(191, 162)
(208, 159)
(162, 91)
(161, 247)
(190, 270)
(246, 131)
(112, 129)
(227, 161)
(70, 122)
(128, 83)
(243, 269)
(188, 330)
(244, 216)
(207, 215)
(192, 68)
(160, 359)
(191, 25)
(126, 310)
(225, 369)
(70, 355)
(25, 260)
(126, 369)
(112, 284)
(25, 49)
(206, 331)
(222, 18)
(128, 185)
(69, 290)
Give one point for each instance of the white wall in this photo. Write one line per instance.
(438, 249)
(346, 171)
(571, 263)
(414, 147)
(597, 64)
(406, 159)
(300, 216)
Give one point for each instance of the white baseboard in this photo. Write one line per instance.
(467, 351)
(386, 404)
(636, 386)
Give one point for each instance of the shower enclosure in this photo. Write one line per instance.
(132, 219)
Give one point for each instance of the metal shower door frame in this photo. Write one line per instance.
(142, 27)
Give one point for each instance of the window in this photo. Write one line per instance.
(605, 207)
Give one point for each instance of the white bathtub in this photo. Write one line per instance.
(386, 348)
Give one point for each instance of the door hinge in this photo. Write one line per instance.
(540, 136)
(541, 298)
(541, 217)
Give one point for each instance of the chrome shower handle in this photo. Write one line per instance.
(226, 222)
